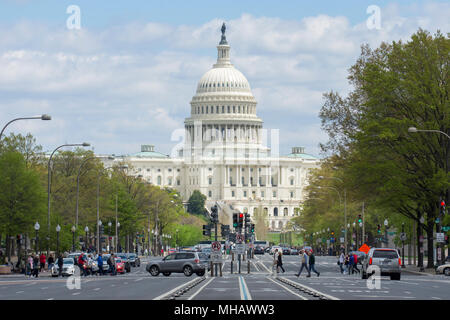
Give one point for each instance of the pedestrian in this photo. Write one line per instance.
(312, 262)
(36, 266)
(280, 261)
(100, 264)
(275, 261)
(351, 261)
(112, 265)
(50, 262)
(355, 263)
(60, 263)
(341, 261)
(29, 269)
(42, 259)
(304, 264)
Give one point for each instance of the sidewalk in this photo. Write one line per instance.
(416, 270)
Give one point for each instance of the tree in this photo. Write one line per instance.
(197, 203)
(22, 197)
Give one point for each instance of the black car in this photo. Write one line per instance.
(286, 251)
(124, 258)
(259, 250)
(134, 260)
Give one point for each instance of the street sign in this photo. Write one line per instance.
(240, 248)
(342, 239)
(403, 236)
(215, 246)
(440, 237)
(216, 257)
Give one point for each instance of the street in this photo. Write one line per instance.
(260, 284)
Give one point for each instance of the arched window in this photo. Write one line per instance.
(266, 211)
(159, 180)
(280, 225)
(275, 212)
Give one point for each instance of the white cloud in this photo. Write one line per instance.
(132, 84)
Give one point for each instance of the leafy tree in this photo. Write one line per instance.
(197, 203)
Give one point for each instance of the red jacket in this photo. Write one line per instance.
(42, 258)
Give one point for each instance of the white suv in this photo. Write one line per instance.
(388, 260)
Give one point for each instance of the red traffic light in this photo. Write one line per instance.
(442, 203)
(241, 215)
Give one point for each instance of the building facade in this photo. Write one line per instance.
(225, 155)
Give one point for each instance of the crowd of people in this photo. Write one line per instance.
(308, 261)
(348, 263)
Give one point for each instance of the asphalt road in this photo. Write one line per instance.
(260, 284)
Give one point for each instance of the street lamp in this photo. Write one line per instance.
(386, 226)
(118, 237)
(78, 186)
(73, 238)
(84, 144)
(403, 245)
(99, 224)
(58, 229)
(86, 230)
(109, 234)
(414, 130)
(37, 227)
(42, 117)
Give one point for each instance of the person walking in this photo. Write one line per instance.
(275, 261)
(280, 261)
(112, 265)
(82, 264)
(350, 264)
(29, 270)
(304, 264)
(60, 263)
(341, 261)
(50, 262)
(100, 264)
(42, 259)
(355, 264)
(312, 262)
(36, 266)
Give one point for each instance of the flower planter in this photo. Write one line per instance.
(5, 269)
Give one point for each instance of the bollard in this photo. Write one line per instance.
(248, 266)
(212, 269)
(220, 269)
(231, 266)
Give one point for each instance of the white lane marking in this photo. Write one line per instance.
(245, 294)
(138, 279)
(20, 291)
(174, 290)
(76, 293)
(287, 289)
(201, 288)
(96, 289)
(314, 290)
(51, 299)
(436, 298)
(44, 288)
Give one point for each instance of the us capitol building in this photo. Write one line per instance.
(225, 155)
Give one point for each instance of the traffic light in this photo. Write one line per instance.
(252, 228)
(442, 207)
(225, 230)
(379, 228)
(241, 220)
(214, 214)
(247, 220)
(235, 220)
(359, 218)
(102, 229)
(332, 232)
(206, 230)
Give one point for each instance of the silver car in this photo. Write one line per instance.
(388, 260)
(180, 262)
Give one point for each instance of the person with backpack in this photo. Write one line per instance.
(351, 262)
(341, 261)
(50, 262)
(36, 266)
(112, 265)
(100, 264)
(29, 268)
(355, 264)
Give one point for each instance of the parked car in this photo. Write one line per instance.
(444, 269)
(124, 258)
(388, 260)
(286, 251)
(272, 250)
(180, 262)
(294, 251)
(68, 268)
(172, 250)
(134, 260)
(267, 250)
(105, 266)
(259, 250)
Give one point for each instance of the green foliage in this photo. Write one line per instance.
(197, 203)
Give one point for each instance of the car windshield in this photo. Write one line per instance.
(123, 257)
(68, 261)
(118, 260)
(385, 254)
(132, 256)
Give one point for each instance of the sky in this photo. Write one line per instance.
(126, 76)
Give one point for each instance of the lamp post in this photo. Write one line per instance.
(86, 230)
(355, 232)
(386, 226)
(118, 237)
(78, 187)
(109, 235)
(421, 222)
(99, 224)
(37, 227)
(42, 117)
(177, 244)
(73, 238)
(403, 246)
(84, 144)
(58, 229)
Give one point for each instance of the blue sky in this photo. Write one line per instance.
(127, 77)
